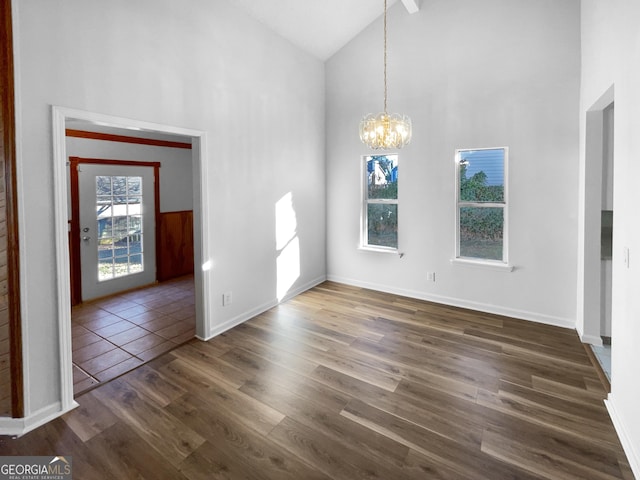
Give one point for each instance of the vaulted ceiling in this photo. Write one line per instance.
(320, 27)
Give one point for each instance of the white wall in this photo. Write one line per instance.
(198, 64)
(470, 74)
(176, 180)
(611, 57)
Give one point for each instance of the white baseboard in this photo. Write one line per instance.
(458, 302)
(248, 315)
(594, 340)
(630, 449)
(16, 427)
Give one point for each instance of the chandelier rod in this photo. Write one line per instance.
(385, 56)
(383, 130)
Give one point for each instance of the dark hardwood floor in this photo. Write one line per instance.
(346, 383)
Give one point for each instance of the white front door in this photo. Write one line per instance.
(117, 228)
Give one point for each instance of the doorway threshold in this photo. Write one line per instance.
(601, 359)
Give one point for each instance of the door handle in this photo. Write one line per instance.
(86, 238)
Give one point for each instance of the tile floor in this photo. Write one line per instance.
(114, 335)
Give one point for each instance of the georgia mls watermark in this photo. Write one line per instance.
(35, 468)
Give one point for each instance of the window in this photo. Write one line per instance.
(119, 216)
(379, 218)
(481, 205)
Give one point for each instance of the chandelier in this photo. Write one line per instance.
(384, 130)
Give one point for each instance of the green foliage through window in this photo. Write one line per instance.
(481, 232)
(382, 221)
(475, 189)
(381, 201)
(481, 203)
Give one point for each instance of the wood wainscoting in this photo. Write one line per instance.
(175, 245)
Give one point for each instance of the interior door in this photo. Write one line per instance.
(117, 228)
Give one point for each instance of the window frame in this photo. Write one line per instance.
(366, 201)
(504, 205)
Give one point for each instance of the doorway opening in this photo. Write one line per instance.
(603, 352)
(599, 231)
(200, 280)
(115, 218)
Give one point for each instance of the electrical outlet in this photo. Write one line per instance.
(226, 299)
(431, 276)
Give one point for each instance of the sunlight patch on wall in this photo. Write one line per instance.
(208, 265)
(287, 246)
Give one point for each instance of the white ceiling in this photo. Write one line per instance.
(320, 27)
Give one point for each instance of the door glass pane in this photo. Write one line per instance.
(135, 245)
(105, 227)
(134, 209)
(134, 186)
(105, 248)
(119, 217)
(135, 224)
(135, 263)
(481, 232)
(105, 268)
(120, 228)
(103, 185)
(119, 186)
(104, 209)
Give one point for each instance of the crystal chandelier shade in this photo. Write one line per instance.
(384, 130)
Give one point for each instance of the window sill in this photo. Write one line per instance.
(467, 262)
(387, 250)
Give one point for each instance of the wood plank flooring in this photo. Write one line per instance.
(346, 383)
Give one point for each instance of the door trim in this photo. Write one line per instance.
(589, 208)
(203, 251)
(125, 139)
(75, 268)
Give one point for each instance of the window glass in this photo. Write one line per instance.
(481, 204)
(481, 232)
(382, 177)
(382, 220)
(380, 212)
(482, 175)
